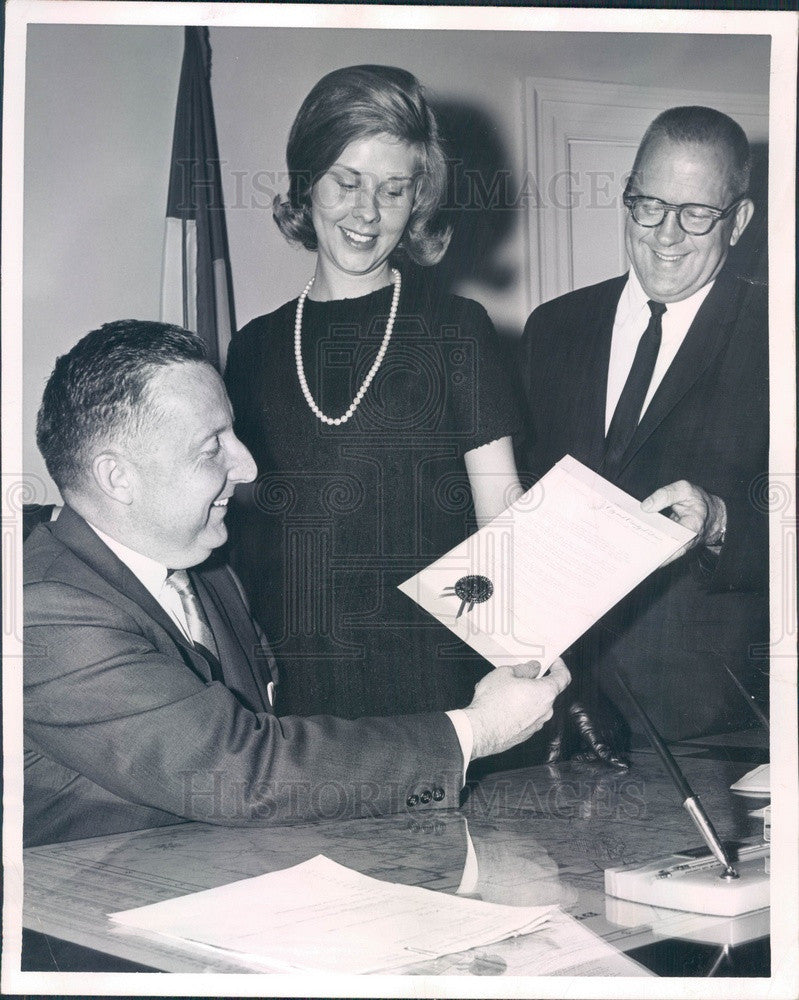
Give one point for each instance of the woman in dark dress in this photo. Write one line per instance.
(378, 411)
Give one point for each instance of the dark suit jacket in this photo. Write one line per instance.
(707, 423)
(125, 729)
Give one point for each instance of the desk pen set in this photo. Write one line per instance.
(722, 879)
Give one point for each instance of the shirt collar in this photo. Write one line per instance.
(634, 298)
(148, 572)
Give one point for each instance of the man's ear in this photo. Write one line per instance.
(743, 216)
(113, 476)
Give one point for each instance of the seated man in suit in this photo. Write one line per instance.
(658, 379)
(148, 689)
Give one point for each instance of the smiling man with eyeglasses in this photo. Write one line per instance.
(659, 380)
(686, 206)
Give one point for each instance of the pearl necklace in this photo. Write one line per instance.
(396, 278)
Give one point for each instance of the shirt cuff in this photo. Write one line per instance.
(465, 734)
(471, 870)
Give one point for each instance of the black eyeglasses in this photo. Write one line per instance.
(696, 220)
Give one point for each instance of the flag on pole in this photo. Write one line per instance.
(196, 280)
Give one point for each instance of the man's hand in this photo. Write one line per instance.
(510, 704)
(694, 508)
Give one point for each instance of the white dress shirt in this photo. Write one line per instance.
(152, 576)
(465, 734)
(632, 318)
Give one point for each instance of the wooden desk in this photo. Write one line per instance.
(541, 835)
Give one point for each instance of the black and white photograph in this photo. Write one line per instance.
(399, 541)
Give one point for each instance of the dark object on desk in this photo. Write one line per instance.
(588, 730)
(689, 800)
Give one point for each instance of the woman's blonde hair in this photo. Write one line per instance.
(355, 103)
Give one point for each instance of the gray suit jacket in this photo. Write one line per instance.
(125, 727)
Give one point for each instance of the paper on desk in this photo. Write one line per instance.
(555, 562)
(320, 916)
(563, 947)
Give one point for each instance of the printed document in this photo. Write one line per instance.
(533, 580)
(322, 916)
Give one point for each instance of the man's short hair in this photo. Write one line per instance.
(100, 392)
(706, 126)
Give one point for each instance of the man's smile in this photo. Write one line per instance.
(668, 258)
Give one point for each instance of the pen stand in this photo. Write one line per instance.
(713, 880)
(694, 884)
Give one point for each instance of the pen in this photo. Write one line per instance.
(690, 801)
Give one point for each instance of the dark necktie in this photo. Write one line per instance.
(199, 629)
(628, 409)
